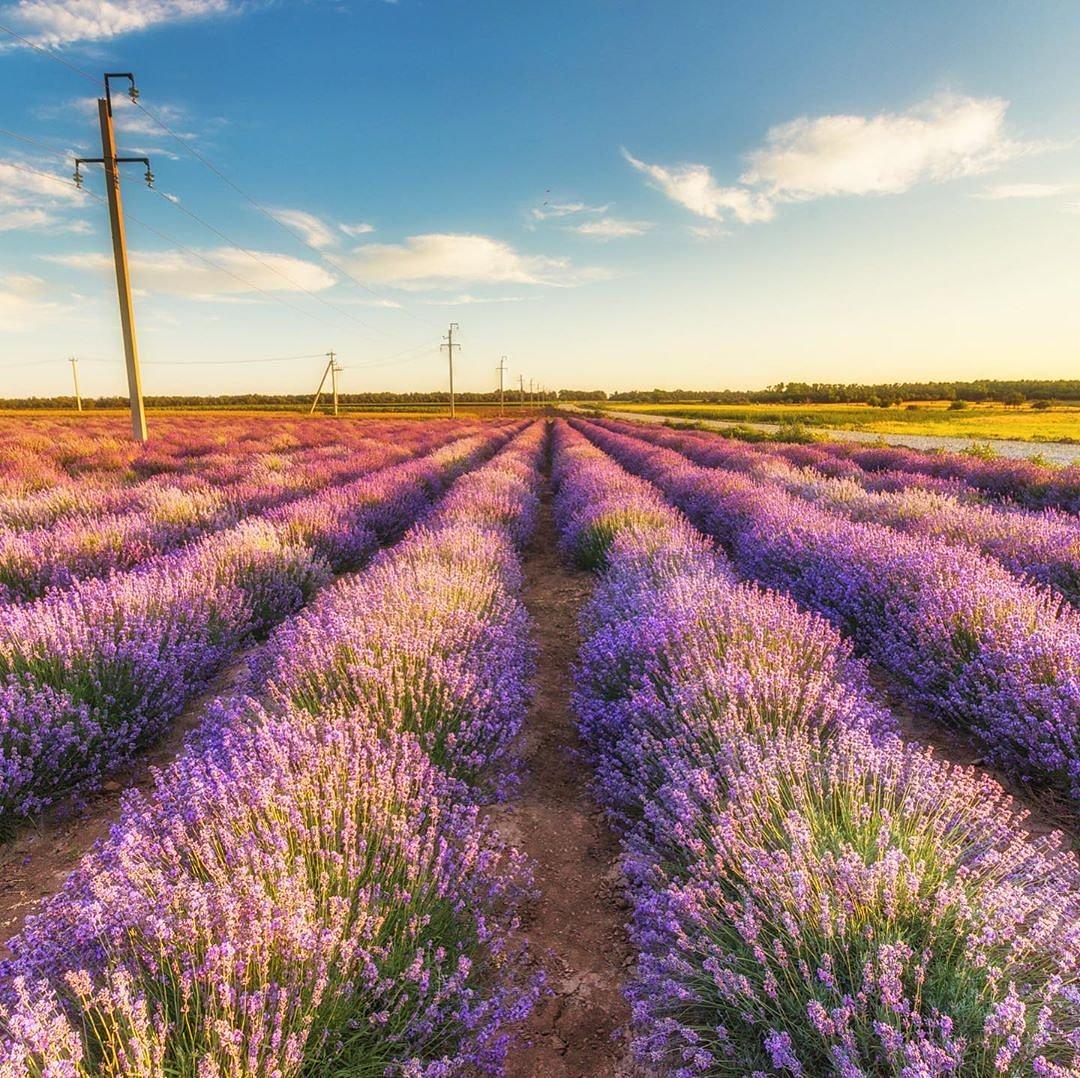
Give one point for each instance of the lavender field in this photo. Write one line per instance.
(550, 746)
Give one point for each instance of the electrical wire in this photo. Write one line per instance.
(174, 201)
(50, 54)
(190, 148)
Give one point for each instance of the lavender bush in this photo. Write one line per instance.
(809, 895)
(963, 637)
(305, 891)
(118, 658)
(1042, 547)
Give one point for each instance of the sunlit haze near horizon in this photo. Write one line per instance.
(614, 196)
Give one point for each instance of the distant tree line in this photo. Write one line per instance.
(884, 395)
(297, 401)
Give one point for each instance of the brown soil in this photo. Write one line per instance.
(35, 863)
(576, 928)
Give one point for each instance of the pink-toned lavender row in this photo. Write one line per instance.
(962, 637)
(157, 517)
(809, 895)
(1032, 485)
(311, 889)
(91, 674)
(223, 454)
(1041, 546)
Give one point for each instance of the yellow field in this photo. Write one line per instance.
(1060, 423)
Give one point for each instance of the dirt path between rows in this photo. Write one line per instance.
(35, 863)
(576, 928)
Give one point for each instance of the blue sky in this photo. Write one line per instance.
(611, 194)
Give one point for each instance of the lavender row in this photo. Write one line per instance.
(1035, 486)
(91, 674)
(311, 888)
(1041, 546)
(963, 637)
(157, 518)
(111, 475)
(808, 894)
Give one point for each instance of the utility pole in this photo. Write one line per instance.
(330, 367)
(110, 161)
(335, 370)
(449, 345)
(75, 375)
(501, 368)
(521, 390)
(532, 392)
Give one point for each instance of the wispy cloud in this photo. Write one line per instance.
(62, 22)
(1028, 190)
(564, 209)
(40, 201)
(314, 229)
(181, 274)
(468, 299)
(944, 138)
(451, 260)
(611, 228)
(693, 187)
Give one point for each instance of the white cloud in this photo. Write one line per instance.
(450, 260)
(467, 299)
(362, 228)
(611, 228)
(565, 209)
(1028, 190)
(38, 201)
(23, 305)
(314, 230)
(19, 187)
(693, 187)
(182, 274)
(946, 137)
(61, 22)
(940, 139)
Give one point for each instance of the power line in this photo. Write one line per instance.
(262, 262)
(50, 54)
(202, 159)
(190, 148)
(161, 235)
(174, 201)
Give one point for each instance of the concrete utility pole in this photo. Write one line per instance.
(75, 375)
(330, 368)
(110, 162)
(449, 345)
(501, 368)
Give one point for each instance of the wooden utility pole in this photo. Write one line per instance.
(449, 345)
(335, 370)
(502, 370)
(322, 381)
(75, 375)
(111, 162)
